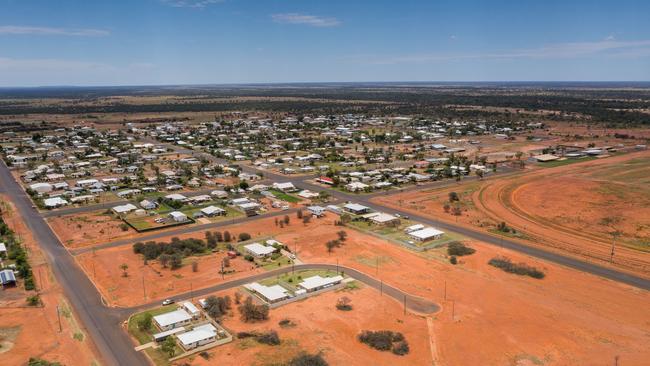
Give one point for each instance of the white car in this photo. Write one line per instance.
(168, 302)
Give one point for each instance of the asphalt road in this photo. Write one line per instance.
(112, 342)
(578, 264)
(413, 303)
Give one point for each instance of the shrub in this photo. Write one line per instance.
(384, 340)
(271, 338)
(124, 227)
(305, 359)
(244, 236)
(344, 304)
(251, 312)
(249, 258)
(459, 249)
(521, 269)
(146, 322)
(205, 355)
(286, 323)
(453, 196)
(401, 348)
(34, 300)
(453, 260)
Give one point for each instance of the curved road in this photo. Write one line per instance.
(415, 304)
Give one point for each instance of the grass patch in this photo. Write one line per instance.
(568, 161)
(285, 196)
(144, 336)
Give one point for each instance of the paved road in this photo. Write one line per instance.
(114, 345)
(413, 303)
(181, 231)
(609, 273)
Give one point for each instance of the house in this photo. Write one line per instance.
(178, 216)
(285, 187)
(213, 211)
(250, 208)
(356, 186)
(3, 250)
(545, 157)
(325, 180)
(381, 218)
(173, 319)
(307, 194)
(219, 194)
(191, 309)
(258, 250)
(7, 278)
(356, 208)
(414, 228)
(159, 337)
(199, 336)
(425, 234)
(148, 205)
(123, 209)
(176, 197)
(41, 187)
(270, 294)
(316, 283)
(54, 202)
(199, 199)
(317, 211)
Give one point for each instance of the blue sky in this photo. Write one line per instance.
(137, 42)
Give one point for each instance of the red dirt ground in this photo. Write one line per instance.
(571, 223)
(320, 327)
(39, 334)
(500, 319)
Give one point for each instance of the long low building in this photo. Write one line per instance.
(316, 283)
(258, 250)
(173, 319)
(199, 336)
(425, 234)
(269, 294)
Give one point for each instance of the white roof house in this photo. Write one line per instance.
(198, 336)
(317, 282)
(3, 248)
(124, 208)
(178, 216)
(259, 250)
(41, 187)
(356, 208)
(172, 319)
(285, 187)
(269, 293)
(191, 309)
(383, 218)
(54, 202)
(176, 197)
(212, 210)
(426, 234)
(414, 228)
(356, 186)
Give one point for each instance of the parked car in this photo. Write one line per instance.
(168, 302)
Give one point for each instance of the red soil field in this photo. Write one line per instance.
(35, 330)
(499, 318)
(320, 327)
(588, 202)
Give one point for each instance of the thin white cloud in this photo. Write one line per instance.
(305, 19)
(607, 47)
(191, 3)
(50, 31)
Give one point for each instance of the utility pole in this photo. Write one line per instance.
(337, 266)
(191, 291)
(58, 315)
(381, 288)
(404, 304)
(445, 290)
(616, 360)
(223, 270)
(144, 291)
(453, 309)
